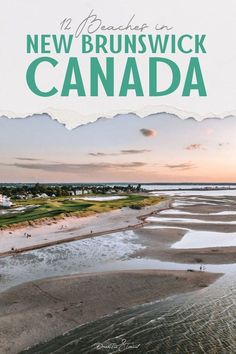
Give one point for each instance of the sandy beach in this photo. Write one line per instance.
(157, 245)
(38, 311)
(74, 228)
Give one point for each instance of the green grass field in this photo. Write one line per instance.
(60, 207)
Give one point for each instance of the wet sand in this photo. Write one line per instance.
(158, 241)
(38, 311)
(158, 246)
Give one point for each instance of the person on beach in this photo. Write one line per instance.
(202, 268)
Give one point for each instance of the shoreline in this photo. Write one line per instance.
(38, 311)
(53, 229)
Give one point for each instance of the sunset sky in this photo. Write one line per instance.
(126, 148)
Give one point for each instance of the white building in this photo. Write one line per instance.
(5, 202)
(78, 192)
(43, 195)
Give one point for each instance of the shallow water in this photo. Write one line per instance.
(146, 263)
(204, 239)
(167, 220)
(68, 258)
(103, 199)
(206, 193)
(183, 212)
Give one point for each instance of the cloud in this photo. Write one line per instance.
(122, 152)
(148, 132)
(209, 131)
(181, 166)
(194, 147)
(223, 144)
(97, 154)
(78, 168)
(132, 152)
(26, 159)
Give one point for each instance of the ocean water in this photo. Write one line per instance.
(188, 186)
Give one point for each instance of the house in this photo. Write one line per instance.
(78, 192)
(43, 196)
(5, 202)
(20, 196)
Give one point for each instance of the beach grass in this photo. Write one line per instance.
(56, 208)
